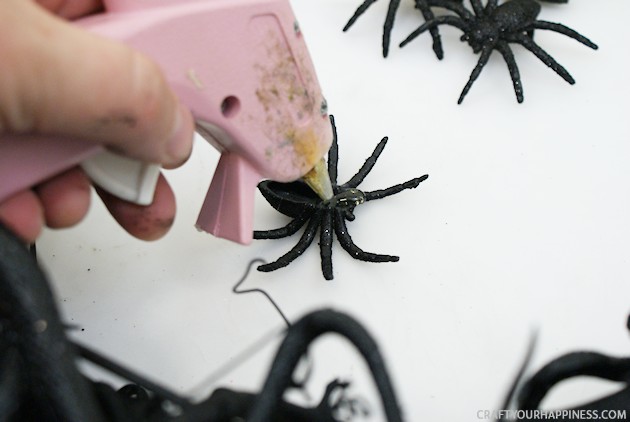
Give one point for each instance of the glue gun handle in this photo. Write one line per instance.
(26, 161)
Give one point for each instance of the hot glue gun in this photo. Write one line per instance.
(243, 69)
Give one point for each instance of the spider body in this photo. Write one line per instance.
(507, 18)
(495, 27)
(298, 201)
(424, 6)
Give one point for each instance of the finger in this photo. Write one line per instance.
(72, 9)
(144, 222)
(23, 214)
(60, 79)
(65, 198)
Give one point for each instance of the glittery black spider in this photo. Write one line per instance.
(494, 27)
(298, 201)
(425, 8)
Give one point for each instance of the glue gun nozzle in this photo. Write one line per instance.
(319, 180)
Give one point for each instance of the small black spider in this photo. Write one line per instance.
(494, 27)
(425, 8)
(298, 201)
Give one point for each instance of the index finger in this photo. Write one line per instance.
(62, 80)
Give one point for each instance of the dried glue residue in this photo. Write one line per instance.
(194, 78)
(306, 144)
(281, 91)
(287, 92)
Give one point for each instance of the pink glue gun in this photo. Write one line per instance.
(243, 69)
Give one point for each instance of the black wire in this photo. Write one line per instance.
(256, 290)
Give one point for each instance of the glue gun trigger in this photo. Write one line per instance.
(126, 178)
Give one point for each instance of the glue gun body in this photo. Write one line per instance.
(243, 69)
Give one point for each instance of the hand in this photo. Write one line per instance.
(59, 79)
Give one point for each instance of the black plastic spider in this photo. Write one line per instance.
(297, 200)
(571, 365)
(425, 8)
(423, 5)
(575, 364)
(494, 27)
(40, 379)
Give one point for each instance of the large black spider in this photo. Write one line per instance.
(40, 378)
(425, 8)
(298, 201)
(494, 27)
(571, 365)
(423, 5)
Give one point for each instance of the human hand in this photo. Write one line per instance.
(58, 79)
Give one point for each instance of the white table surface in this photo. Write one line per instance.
(523, 224)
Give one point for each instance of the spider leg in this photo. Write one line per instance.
(382, 193)
(483, 60)
(357, 253)
(333, 154)
(454, 6)
(428, 15)
(389, 24)
(508, 56)
(357, 13)
(325, 244)
(389, 20)
(529, 44)
(530, 33)
(564, 30)
(297, 250)
(441, 20)
(367, 166)
(286, 231)
(490, 6)
(477, 7)
(348, 214)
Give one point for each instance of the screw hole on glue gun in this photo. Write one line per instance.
(230, 106)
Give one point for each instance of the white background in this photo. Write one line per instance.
(523, 224)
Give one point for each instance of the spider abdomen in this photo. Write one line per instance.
(291, 199)
(513, 15)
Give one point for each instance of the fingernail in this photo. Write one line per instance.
(180, 145)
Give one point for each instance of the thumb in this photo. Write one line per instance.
(58, 79)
